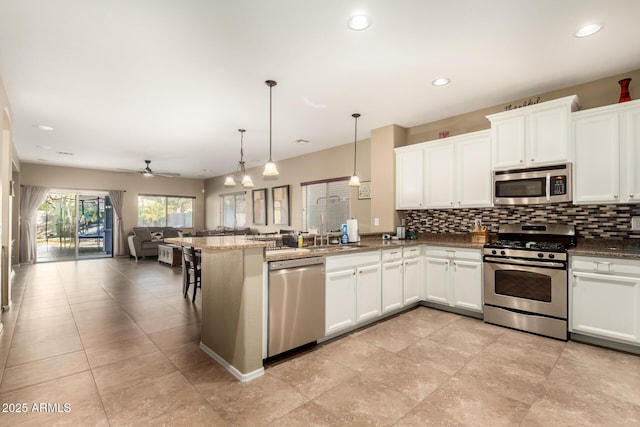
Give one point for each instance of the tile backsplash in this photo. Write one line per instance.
(591, 221)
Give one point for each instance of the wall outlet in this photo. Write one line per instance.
(376, 222)
(424, 222)
(635, 223)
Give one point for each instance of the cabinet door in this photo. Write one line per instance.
(368, 292)
(437, 280)
(410, 179)
(605, 306)
(340, 300)
(596, 168)
(412, 279)
(467, 285)
(440, 176)
(508, 142)
(473, 172)
(391, 286)
(632, 158)
(548, 136)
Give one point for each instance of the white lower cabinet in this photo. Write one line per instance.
(340, 297)
(604, 298)
(411, 280)
(392, 280)
(453, 277)
(353, 290)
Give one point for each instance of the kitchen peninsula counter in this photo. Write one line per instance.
(232, 301)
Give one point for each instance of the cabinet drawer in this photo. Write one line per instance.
(453, 252)
(413, 252)
(337, 262)
(606, 265)
(391, 254)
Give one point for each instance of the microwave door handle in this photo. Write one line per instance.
(548, 187)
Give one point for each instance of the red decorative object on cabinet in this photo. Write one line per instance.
(624, 90)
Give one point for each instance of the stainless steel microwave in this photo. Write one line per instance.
(546, 184)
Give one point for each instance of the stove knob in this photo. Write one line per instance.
(540, 255)
(493, 252)
(552, 256)
(503, 253)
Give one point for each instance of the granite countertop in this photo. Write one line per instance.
(372, 244)
(217, 243)
(607, 248)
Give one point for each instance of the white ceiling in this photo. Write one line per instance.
(122, 81)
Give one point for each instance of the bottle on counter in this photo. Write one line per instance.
(300, 240)
(344, 237)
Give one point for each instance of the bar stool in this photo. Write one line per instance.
(191, 271)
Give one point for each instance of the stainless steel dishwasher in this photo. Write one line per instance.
(296, 303)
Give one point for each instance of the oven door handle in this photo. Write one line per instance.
(548, 187)
(524, 262)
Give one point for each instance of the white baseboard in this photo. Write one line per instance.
(239, 375)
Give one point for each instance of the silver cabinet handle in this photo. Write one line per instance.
(631, 196)
(521, 161)
(533, 160)
(615, 196)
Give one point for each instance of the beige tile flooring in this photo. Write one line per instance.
(117, 342)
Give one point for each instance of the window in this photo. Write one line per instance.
(233, 211)
(325, 204)
(165, 211)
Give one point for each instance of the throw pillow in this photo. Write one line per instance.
(143, 234)
(157, 236)
(171, 232)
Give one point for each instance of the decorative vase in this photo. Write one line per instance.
(624, 90)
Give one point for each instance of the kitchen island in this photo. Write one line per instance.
(232, 301)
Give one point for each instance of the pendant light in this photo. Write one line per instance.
(355, 181)
(241, 174)
(270, 168)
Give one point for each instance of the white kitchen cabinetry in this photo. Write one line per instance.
(453, 172)
(606, 145)
(353, 290)
(538, 134)
(604, 298)
(454, 277)
(410, 177)
(412, 274)
(391, 279)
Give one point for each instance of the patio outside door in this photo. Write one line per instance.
(74, 226)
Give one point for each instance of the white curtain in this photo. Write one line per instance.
(117, 201)
(31, 197)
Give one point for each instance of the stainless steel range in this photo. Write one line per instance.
(525, 278)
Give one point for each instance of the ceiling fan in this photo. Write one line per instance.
(147, 171)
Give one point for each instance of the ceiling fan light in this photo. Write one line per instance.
(229, 182)
(354, 181)
(270, 169)
(247, 182)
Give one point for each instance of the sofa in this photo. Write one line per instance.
(144, 241)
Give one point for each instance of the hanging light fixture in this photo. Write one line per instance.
(241, 174)
(270, 168)
(355, 181)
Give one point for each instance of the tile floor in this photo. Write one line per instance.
(116, 341)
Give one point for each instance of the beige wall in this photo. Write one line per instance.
(331, 163)
(134, 184)
(592, 94)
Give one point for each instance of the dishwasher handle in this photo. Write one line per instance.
(293, 263)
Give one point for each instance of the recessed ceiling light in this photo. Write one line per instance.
(359, 22)
(588, 30)
(64, 153)
(300, 141)
(43, 147)
(44, 128)
(441, 81)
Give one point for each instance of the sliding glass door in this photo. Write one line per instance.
(74, 226)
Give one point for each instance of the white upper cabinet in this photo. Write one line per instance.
(446, 173)
(538, 134)
(606, 145)
(410, 177)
